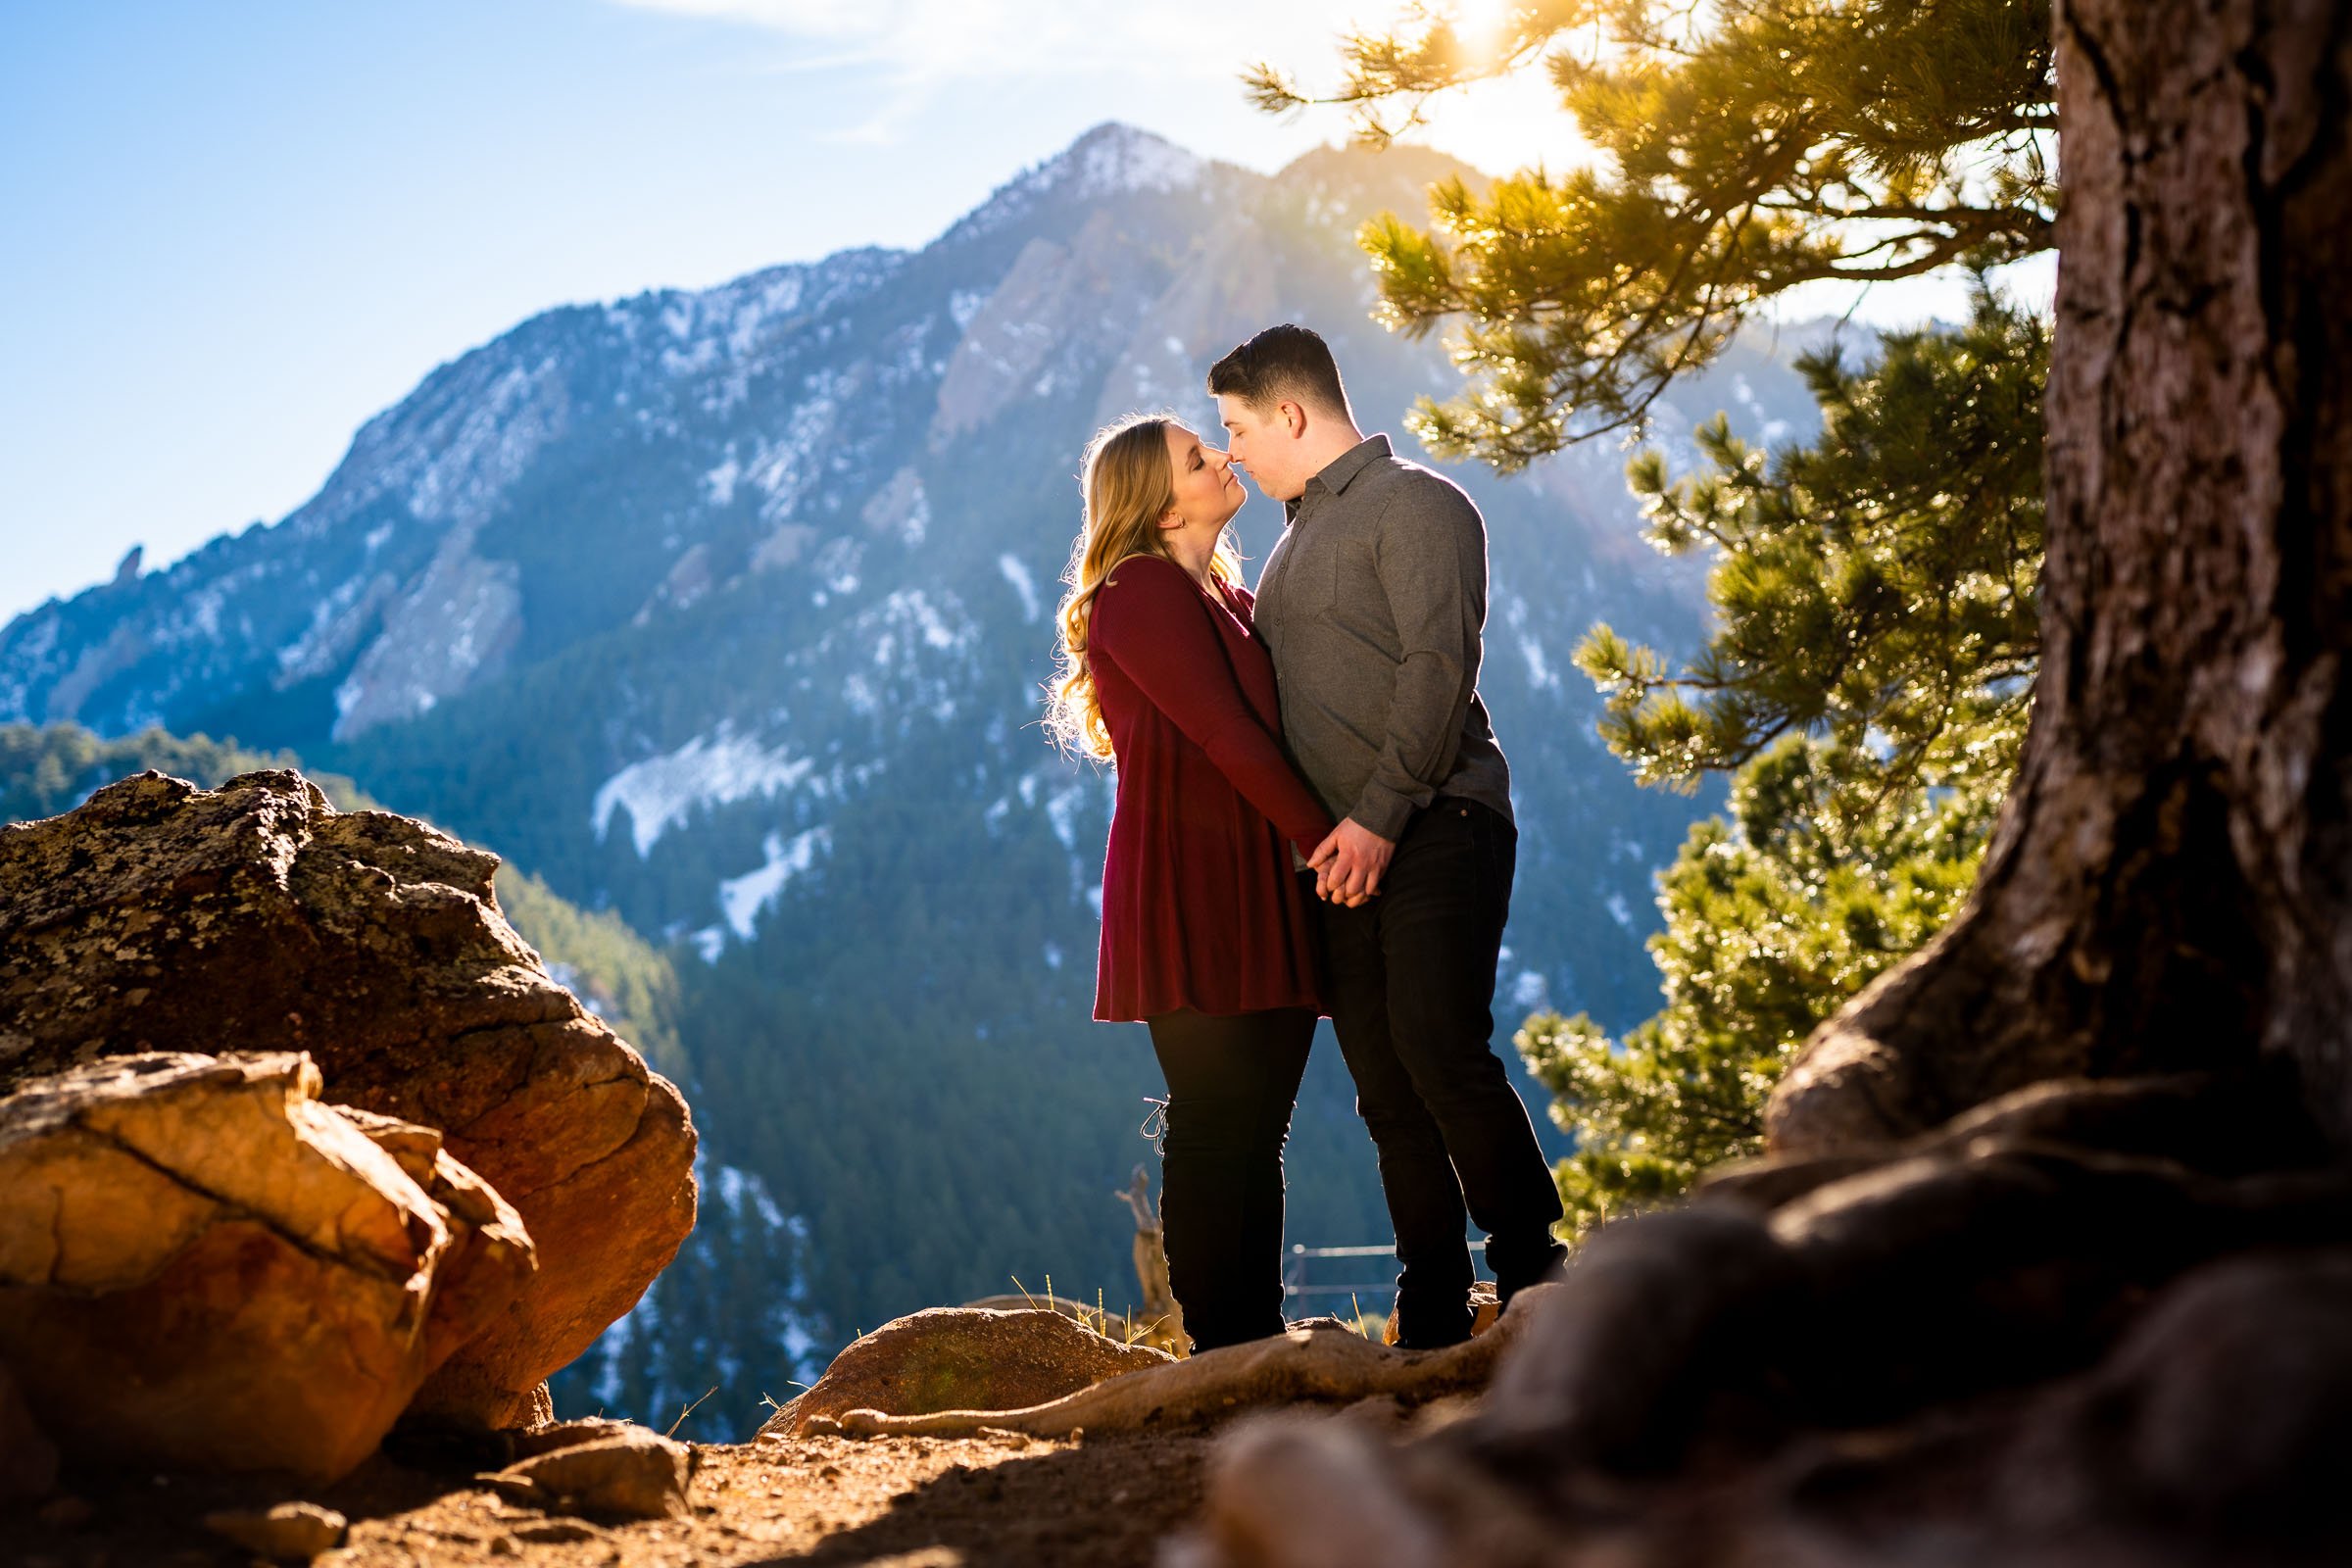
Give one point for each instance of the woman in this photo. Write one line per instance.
(1205, 936)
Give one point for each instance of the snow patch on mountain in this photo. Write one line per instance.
(1540, 673)
(743, 898)
(908, 616)
(713, 769)
(728, 329)
(28, 647)
(1023, 583)
(337, 623)
(782, 470)
(718, 484)
(1063, 809)
(900, 510)
(1111, 160)
(837, 566)
(1117, 159)
(462, 473)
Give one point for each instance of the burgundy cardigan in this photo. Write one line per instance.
(1200, 907)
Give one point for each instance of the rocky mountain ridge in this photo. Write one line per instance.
(724, 611)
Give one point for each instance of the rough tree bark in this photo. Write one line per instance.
(2170, 883)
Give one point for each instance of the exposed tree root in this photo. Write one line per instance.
(1315, 1363)
(2003, 1336)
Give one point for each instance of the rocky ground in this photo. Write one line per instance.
(912, 1503)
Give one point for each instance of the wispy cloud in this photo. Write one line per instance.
(913, 49)
(947, 40)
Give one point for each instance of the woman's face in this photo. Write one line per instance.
(1207, 491)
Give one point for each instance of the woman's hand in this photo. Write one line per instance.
(1350, 863)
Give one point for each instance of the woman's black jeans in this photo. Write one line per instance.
(1231, 1084)
(1411, 982)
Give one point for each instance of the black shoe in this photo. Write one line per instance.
(1553, 1269)
(1431, 1330)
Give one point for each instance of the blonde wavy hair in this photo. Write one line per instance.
(1128, 484)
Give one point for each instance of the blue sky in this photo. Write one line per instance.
(235, 231)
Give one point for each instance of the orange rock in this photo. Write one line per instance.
(202, 1266)
(162, 917)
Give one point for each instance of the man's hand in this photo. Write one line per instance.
(1350, 863)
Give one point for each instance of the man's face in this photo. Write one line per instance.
(1264, 444)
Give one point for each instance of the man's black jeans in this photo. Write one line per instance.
(1231, 1084)
(1409, 976)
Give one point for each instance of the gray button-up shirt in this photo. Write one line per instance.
(1371, 604)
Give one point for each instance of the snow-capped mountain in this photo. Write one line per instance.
(727, 609)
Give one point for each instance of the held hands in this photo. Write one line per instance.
(1350, 863)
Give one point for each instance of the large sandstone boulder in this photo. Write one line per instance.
(963, 1358)
(159, 916)
(203, 1266)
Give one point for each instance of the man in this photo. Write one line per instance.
(1372, 606)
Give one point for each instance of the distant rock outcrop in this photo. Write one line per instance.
(203, 1266)
(159, 916)
(963, 1358)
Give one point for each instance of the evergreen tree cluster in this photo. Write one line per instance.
(1866, 689)
(1866, 682)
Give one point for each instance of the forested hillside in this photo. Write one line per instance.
(724, 614)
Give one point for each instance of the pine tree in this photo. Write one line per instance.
(1866, 687)
(1874, 588)
(1738, 151)
(1866, 680)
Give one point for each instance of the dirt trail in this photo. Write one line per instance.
(909, 1502)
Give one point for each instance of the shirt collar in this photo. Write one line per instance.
(1341, 472)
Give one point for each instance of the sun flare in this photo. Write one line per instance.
(1479, 24)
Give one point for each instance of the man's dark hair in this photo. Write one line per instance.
(1285, 362)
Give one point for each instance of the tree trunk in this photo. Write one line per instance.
(2168, 885)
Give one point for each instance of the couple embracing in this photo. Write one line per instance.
(1312, 819)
